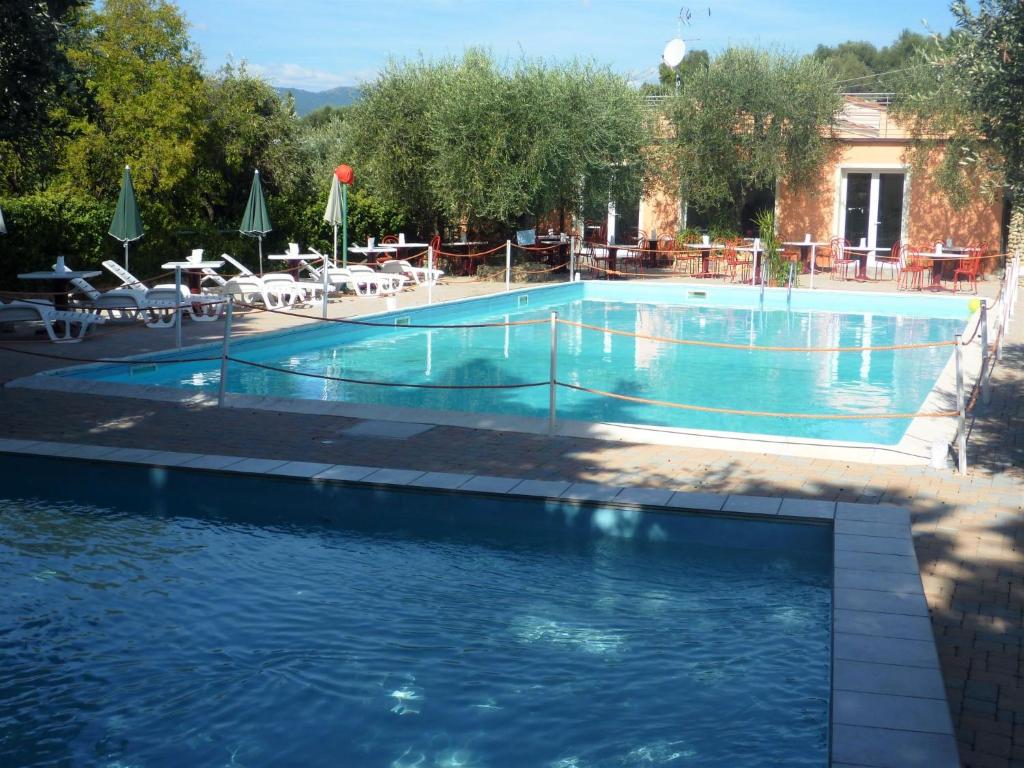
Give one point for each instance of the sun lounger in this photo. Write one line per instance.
(417, 275)
(128, 280)
(163, 304)
(390, 282)
(62, 326)
(120, 304)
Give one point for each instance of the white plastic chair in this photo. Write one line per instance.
(60, 325)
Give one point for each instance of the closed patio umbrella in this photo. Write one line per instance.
(256, 220)
(3, 227)
(334, 215)
(126, 226)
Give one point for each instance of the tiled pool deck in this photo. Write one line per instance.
(967, 530)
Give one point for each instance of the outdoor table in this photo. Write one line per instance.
(367, 251)
(705, 256)
(755, 261)
(938, 261)
(194, 271)
(861, 252)
(803, 245)
(295, 268)
(58, 284)
(465, 265)
(613, 255)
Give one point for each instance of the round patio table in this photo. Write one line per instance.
(58, 283)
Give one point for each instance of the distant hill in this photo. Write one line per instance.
(307, 101)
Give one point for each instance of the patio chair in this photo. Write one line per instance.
(163, 304)
(892, 261)
(416, 275)
(912, 267)
(62, 326)
(968, 267)
(840, 259)
(730, 263)
(118, 305)
(391, 282)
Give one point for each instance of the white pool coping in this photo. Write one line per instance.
(913, 449)
(888, 700)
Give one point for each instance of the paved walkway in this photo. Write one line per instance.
(968, 531)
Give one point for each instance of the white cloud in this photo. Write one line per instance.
(307, 78)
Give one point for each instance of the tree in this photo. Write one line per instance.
(752, 118)
(693, 63)
(861, 67)
(965, 98)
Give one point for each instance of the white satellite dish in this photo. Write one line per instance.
(675, 50)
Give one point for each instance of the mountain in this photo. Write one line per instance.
(307, 101)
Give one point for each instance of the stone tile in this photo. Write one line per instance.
(345, 473)
(872, 513)
(79, 451)
(299, 469)
(255, 466)
(591, 492)
(211, 461)
(816, 508)
(490, 484)
(885, 650)
(698, 501)
(173, 458)
(884, 602)
(445, 480)
(15, 446)
(881, 581)
(131, 455)
(753, 505)
(883, 624)
(655, 497)
(872, 561)
(876, 544)
(886, 748)
(890, 679)
(393, 476)
(861, 528)
(544, 488)
(903, 713)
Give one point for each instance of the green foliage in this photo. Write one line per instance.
(859, 66)
(324, 115)
(468, 139)
(694, 64)
(753, 117)
(44, 225)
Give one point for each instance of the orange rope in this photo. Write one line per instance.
(770, 414)
(752, 347)
(495, 249)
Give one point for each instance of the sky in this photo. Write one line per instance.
(320, 44)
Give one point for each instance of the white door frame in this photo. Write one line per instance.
(875, 171)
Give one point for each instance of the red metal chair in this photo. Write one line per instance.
(892, 261)
(968, 267)
(913, 265)
(731, 265)
(841, 258)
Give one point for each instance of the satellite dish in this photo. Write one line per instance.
(675, 50)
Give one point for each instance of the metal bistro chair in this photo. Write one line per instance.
(912, 268)
(892, 261)
(840, 258)
(969, 267)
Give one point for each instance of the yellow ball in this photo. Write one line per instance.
(974, 305)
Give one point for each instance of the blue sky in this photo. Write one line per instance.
(318, 44)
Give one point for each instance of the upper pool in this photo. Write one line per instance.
(853, 383)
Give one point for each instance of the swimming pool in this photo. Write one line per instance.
(154, 616)
(847, 383)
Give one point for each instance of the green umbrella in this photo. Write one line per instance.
(256, 220)
(127, 225)
(334, 215)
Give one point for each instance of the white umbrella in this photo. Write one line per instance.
(334, 215)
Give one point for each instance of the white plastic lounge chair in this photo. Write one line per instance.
(120, 304)
(60, 325)
(162, 306)
(390, 282)
(336, 279)
(285, 288)
(128, 280)
(279, 294)
(416, 275)
(242, 269)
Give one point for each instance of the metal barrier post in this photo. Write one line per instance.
(323, 274)
(553, 378)
(986, 394)
(572, 259)
(430, 274)
(789, 293)
(177, 306)
(224, 350)
(961, 418)
(814, 258)
(508, 265)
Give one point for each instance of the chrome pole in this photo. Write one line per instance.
(221, 392)
(508, 265)
(177, 305)
(961, 437)
(553, 377)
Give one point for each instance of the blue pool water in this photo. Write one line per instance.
(150, 618)
(777, 382)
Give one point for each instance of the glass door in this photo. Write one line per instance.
(873, 208)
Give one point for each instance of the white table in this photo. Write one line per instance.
(936, 258)
(58, 283)
(367, 251)
(194, 270)
(813, 245)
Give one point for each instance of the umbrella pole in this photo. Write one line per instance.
(125, 255)
(344, 225)
(335, 245)
(260, 239)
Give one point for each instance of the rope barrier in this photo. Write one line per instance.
(476, 255)
(768, 414)
(349, 321)
(371, 382)
(752, 347)
(106, 359)
(538, 247)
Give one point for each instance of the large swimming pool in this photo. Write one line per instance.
(153, 617)
(851, 383)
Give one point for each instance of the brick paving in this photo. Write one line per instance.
(967, 529)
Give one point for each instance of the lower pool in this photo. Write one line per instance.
(156, 617)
